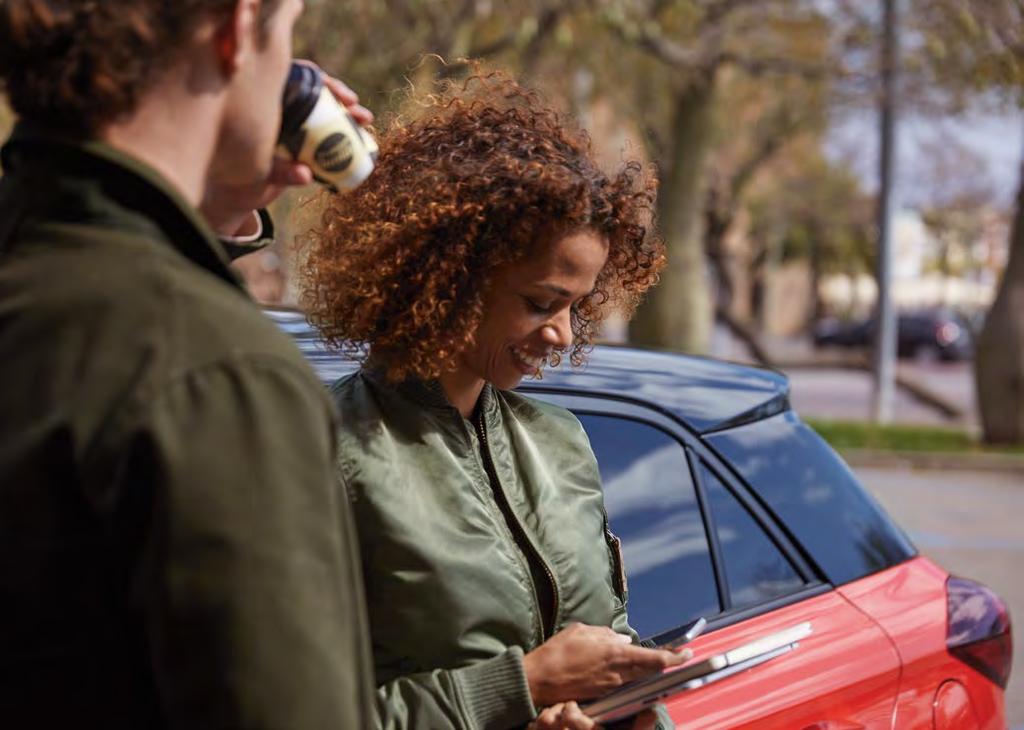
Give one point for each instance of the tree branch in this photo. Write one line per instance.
(657, 7)
(717, 12)
(786, 124)
(549, 19)
(773, 65)
(494, 47)
(746, 334)
(647, 36)
(546, 22)
(656, 44)
(645, 33)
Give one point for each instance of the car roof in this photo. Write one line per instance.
(704, 394)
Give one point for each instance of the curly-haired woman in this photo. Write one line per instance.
(486, 244)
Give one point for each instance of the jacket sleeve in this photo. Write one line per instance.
(620, 623)
(242, 569)
(489, 695)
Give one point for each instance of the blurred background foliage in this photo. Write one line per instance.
(735, 102)
(732, 100)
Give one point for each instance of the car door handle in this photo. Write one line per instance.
(834, 725)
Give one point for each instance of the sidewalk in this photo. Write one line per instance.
(942, 461)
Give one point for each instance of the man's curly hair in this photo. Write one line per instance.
(481, 177)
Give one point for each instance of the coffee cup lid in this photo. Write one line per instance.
(301, 92)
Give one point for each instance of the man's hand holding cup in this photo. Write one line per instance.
(322, 138)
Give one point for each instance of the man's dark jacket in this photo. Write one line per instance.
(174, 551)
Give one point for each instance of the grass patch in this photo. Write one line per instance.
(856, 435)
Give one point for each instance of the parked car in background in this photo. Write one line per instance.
(833, 332)
(729, 507)
(936, 333)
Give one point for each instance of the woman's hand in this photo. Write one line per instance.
(582, 662)
(569, 716)
(563, 716)
(228, 208)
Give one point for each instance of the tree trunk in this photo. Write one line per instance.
(999, 364)
(678, 312)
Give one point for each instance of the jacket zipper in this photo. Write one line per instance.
(519, 533)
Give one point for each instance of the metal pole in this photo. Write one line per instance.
(885, 315)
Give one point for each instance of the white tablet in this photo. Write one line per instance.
(634, 697)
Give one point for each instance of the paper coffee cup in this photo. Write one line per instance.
(319, 132)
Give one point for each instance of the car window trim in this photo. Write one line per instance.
(714, 545)
(765, 519)
(778, 404)
(781, 536)
(587, 403)
(725, 620)
(810, 590)
(717, 563)
(795, 549)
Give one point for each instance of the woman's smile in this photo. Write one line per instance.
(529, 363)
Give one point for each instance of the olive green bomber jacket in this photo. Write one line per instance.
(174, 549)
(460, 521)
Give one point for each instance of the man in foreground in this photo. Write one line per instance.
(173, 549)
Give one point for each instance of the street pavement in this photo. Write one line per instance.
(846, 395)
(970, 523)
(821, 388)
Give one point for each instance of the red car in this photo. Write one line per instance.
(730, 508)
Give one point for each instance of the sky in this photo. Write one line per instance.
(997, 140)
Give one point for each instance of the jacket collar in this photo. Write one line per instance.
(430, 394)
(80, 179)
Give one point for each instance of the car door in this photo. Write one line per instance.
(696, 543)
(845, 675)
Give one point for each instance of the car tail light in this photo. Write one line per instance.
(947, 333)
(979, 632)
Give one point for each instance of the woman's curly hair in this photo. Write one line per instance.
(77, 65)
(484, 174)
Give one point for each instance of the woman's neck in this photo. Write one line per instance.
(463, 389)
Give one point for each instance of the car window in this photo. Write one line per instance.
(652, 508)
(756, 570)
(815, 495)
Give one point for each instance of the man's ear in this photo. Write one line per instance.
(235, 37)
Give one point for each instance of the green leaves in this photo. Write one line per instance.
(967, 48)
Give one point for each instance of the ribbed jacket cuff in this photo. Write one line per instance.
(495, 693)
(236, 246)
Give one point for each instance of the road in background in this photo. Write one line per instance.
(970, 523)
(837, 394)
(821, 388)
